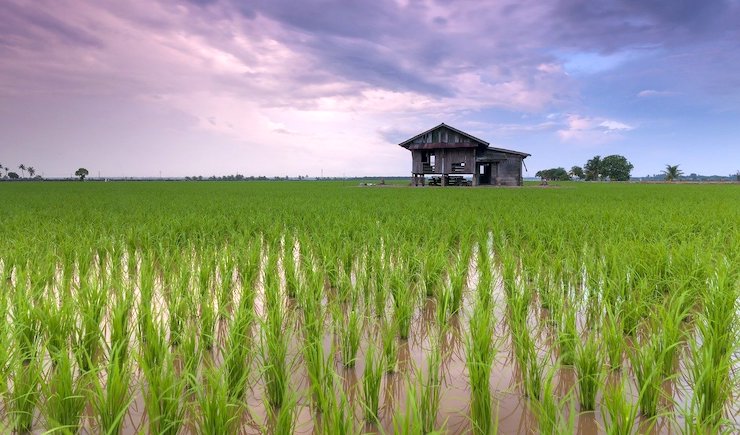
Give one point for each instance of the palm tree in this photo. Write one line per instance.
(31, 171)
(22, 167)
(672, 172)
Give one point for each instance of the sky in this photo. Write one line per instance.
(312, 87)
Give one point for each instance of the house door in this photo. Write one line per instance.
(485, 173)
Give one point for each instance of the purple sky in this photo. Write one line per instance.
(284, 87)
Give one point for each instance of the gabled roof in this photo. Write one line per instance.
(408, 143)
(469, 136)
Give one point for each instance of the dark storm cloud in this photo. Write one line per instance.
(420, 46)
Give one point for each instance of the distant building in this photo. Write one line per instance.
(448, 154)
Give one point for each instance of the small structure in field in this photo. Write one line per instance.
(448, 154)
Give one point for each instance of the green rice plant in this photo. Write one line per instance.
(530, 364)
(292, 282)
(215, 414)
(191, 354)
(390, 344)
(349, 330)
(58, 326)
(207, 320)
(284, 419)
(25, 320)
(430, 387)
(611, 332)
(177, 300)
(713, 351)
(275, 341)
(338, 418)
(457, 281)
(646, 365)
(111, 397)
(481, 351)
(66, 396)
(404, 298)
(567, 336)
(620, 413)
(6, 340)
(237, 354)
(444, 301)
(91, 300)
(319, 369)
(372, 377)
(153, 346)
(163, 396)
(549, 409)
(120, 334)
(671, 321)
(410, 419)
(25, 395)
(433, 272)
(225, 287)
(589, 362)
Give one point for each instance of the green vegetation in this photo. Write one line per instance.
(281, 307)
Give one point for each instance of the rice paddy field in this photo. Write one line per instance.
(323, 307)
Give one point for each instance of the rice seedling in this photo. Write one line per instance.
(237, 355)
(112, 395)
(430, 386)
(338, 417)
(66, 396)
(216, 414)
(390, 344)
(349, 331)
(549, 409)
(646, 365)
(25, 395)
(410, 419)
(291, 274)
(712, 352)
(191, 354)
(457, 280)
(274, 344)
(567, 336)
(285, 418)
(589, 361)
(621, 413)
(372, 377)
(163, 396)
(480, 354)
(611, 331)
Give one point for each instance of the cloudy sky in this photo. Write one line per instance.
(284, 87)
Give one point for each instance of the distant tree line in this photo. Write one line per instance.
(614, 168)
(6, 173)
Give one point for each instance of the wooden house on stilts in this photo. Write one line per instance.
(448, 154)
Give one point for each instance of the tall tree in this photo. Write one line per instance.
(616, 167)
(672, 172)
(593, 169)
(577, 171)
(31, 171)
(22, 167)
(554, 174)
(82, 173)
